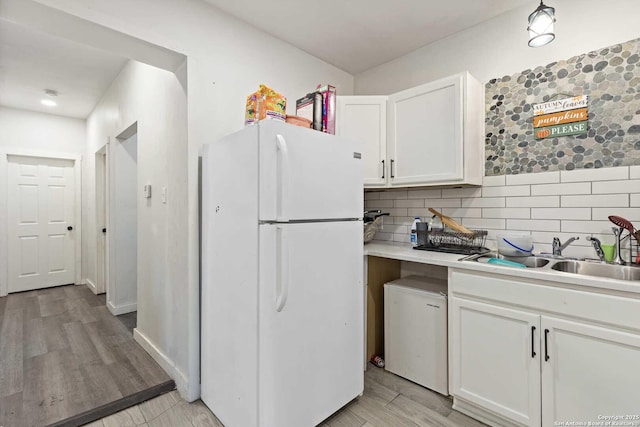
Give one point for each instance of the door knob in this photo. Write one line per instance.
(104, 230)
(69, 228)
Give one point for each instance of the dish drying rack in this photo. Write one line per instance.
(443, 240)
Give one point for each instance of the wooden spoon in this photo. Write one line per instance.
(450, 222)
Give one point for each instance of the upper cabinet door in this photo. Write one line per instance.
(425, 133)
(435, 133)
(365, 118)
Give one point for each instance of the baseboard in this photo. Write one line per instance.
(121, 309)
(182, 384)
(481, 414)
(92, 287)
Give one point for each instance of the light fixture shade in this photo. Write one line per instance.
(541, 23)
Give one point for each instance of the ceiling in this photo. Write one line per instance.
(353, 35)
(356, 35)
(31, 62)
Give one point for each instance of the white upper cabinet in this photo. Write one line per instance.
(436, 133)
(428, 135)
(365, 118)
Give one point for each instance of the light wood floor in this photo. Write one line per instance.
(62, 353)
(388, 401)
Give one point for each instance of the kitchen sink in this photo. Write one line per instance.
(588, 268)
(529, 261)
(573, 266)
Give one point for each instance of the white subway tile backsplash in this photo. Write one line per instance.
(493, 181)
(547, 204)
(393, 194)
(617, 187)
(387, 237)
(534, 202)
(442, 203)
(484, 223)
(601, 174)
(534, 178)
(392, 228)
(524, 213)
(421, 212)
(586, 201)
(371, 195)
(533, 224)
(514, 190)
(591, 227)
(461, 192)
(378, 204)
(396, 211)
(463, 212)
(561, 213)
(424, 194)
(547, 237)
(561, 189)
(602, 214)
(483, 202)
(409, 203)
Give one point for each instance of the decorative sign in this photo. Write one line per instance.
(561, 117)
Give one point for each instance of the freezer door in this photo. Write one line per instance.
(306, 174)
(311, 321)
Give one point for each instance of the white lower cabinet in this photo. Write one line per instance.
(591, 372)
(493, 363)
(524, 362)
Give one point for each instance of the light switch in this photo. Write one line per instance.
(164, 194)
(147, 191)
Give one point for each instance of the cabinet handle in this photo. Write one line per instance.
(392, 162)
(383, 169)
(533, 333)
(546, 347)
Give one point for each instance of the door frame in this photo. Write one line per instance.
(102, 181)
(4, 238)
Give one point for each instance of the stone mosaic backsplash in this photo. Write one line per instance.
(611, 79)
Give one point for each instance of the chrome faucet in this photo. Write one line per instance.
(559, 247)
(617, 231)
(597, 246)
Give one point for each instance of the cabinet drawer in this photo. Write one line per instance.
(547, 297)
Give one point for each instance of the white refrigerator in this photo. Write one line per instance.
(282, 338)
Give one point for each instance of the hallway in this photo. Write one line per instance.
(63, 356)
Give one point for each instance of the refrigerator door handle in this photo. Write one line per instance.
(282, 274)
(283, 177)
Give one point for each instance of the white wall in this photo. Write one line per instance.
(122, 295)
(499, 47)
(28, 130)
(156, 100)
(226, 60)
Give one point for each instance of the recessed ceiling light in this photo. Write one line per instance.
(49, 102)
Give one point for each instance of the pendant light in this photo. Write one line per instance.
(540, 27)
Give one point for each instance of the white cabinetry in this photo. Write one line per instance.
(529, 354)
(493, 362)
(365, 118)
(431, 135)
(592, 371)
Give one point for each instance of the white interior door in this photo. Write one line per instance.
(311, 321)
(41, 195)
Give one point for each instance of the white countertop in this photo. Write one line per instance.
(405, 252)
